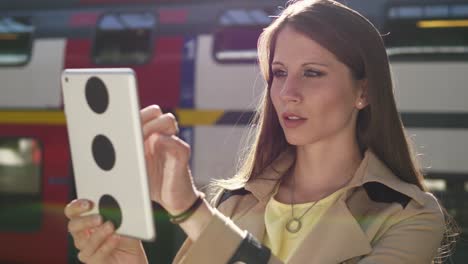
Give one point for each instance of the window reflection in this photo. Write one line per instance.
(15, 40)
(124, 38)
(20, 161)
(20, 185)
(236, 39)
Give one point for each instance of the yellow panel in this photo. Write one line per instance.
(8, 36)
(442, 23)
(32, 117)
(188, 117)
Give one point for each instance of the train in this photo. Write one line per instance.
(197, 59)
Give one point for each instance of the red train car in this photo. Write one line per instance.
(197, 60)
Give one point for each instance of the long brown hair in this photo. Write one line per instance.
(356, 43)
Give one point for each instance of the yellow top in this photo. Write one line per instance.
(283, 243)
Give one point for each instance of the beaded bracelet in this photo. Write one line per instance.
(177, 219)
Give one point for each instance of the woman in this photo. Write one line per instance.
(328, 179)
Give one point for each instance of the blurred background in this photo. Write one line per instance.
(197, 59)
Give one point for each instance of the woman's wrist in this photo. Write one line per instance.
(182, 204)
(198, 221)
(186, 214)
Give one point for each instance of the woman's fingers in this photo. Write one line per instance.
(77, 207)
(76, 225)
(154, 121)
(81, 228)
(150, 112)
(96, 241)
(169, 149)
(105, 249)
(81, 238)
(167, 158)
(165, 124)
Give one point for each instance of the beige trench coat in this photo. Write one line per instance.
(378, 219)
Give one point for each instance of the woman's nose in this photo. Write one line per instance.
(290, 91)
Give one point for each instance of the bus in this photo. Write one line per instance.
(198, 60)
(427, 44)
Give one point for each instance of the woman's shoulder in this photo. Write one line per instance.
(381, 183)
(398, 208)
(426, 209)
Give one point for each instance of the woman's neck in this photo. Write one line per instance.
(322, 169)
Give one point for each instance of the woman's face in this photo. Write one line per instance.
(313, 93)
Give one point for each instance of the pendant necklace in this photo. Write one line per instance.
(294, 224)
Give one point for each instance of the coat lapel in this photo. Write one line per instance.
(337, 228)
(253, 220)
(262, 188)
(338, 236)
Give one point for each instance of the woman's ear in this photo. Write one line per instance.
(362, 94)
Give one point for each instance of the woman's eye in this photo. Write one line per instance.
(279, 73)
(313, 73)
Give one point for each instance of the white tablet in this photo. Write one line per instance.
(104, 129)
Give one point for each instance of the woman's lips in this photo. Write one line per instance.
(291, 120)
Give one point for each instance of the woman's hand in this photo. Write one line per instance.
(97, 241)
(171, 185)
(167, 161)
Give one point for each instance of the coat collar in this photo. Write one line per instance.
(371, 169)
(337, 228)
(263, 186)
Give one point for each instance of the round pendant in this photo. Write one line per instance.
(293, 225)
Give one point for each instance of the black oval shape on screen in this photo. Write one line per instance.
(97, 95)
(103, 152)
(110, 210)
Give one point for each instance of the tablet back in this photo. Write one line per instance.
(104, 129)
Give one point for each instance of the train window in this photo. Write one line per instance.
(20, 184)
(411, 31)
(235, 41)
(15, 40)
(124, 38)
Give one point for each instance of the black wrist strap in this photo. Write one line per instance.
(177, 219)
(250, 251)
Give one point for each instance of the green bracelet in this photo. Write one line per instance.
(177, 219)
